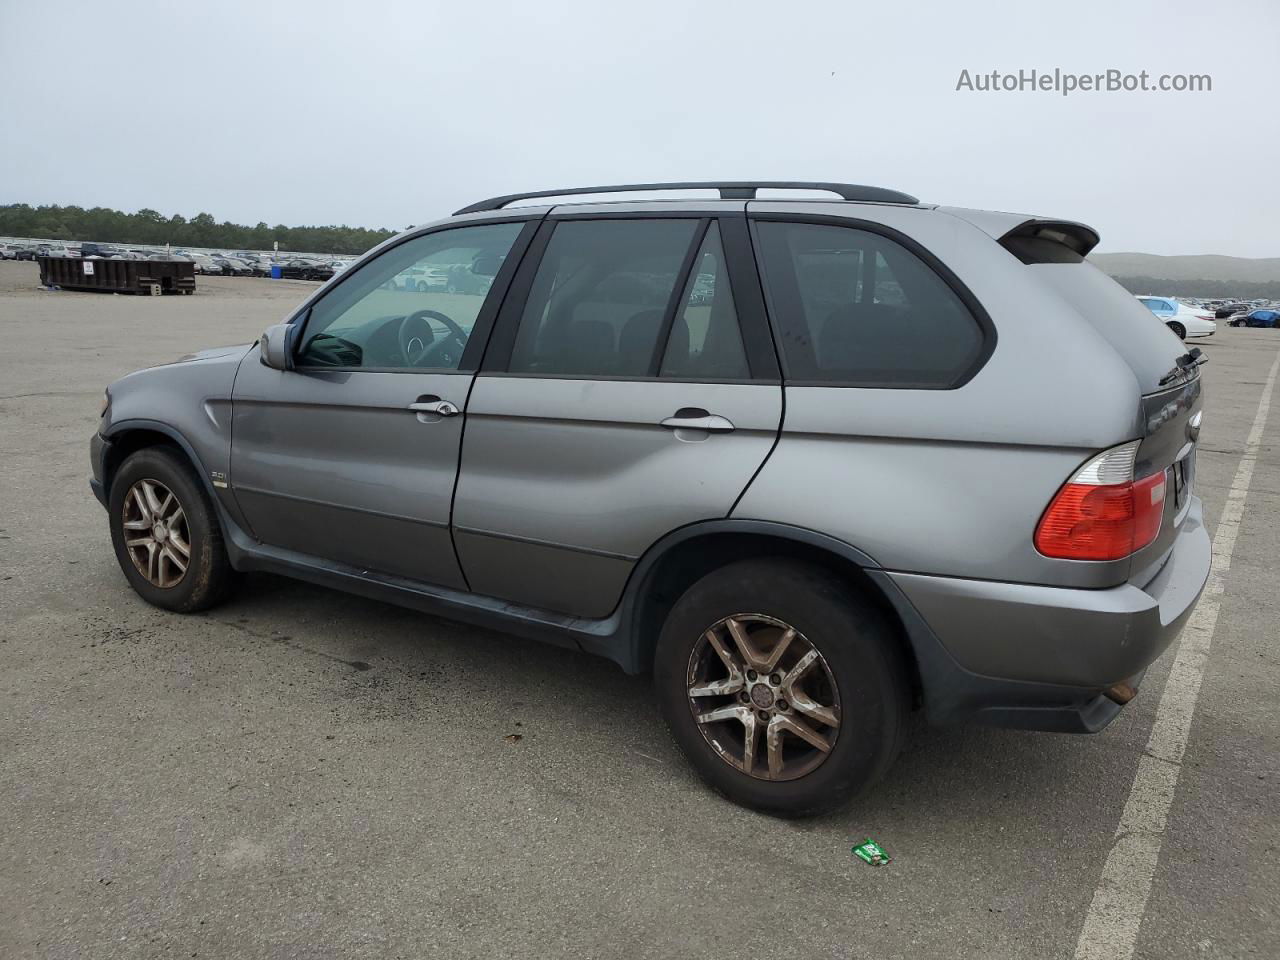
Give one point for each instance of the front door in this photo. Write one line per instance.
(352, 455)
(630, 389)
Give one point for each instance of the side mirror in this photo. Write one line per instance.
(276, 346)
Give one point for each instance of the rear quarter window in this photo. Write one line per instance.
(856, 308)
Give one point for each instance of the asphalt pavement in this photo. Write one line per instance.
(300, 773)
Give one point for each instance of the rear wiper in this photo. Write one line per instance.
(1192, 358)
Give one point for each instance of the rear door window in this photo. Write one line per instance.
(705, 342)
(853, 307)
(600, 298)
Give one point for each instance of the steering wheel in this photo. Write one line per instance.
(418, 341)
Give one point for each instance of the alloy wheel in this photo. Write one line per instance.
(763, 697)
(156, 533)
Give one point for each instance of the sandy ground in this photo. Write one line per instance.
(227, 785)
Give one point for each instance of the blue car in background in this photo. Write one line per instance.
(1257, 318)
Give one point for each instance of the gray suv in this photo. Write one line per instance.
(813, 463)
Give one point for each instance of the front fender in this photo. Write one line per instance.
(110, 447)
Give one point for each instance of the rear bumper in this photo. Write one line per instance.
(1035, 656)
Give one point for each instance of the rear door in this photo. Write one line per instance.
(630, 389)
(352, 455)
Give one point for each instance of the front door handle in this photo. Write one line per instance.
(697, 420)
(442, 408)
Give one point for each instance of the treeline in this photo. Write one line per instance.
(1204, 289)
(154, 228)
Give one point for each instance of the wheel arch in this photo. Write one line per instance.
(130, 436)
(683, 557)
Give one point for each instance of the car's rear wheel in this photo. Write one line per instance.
(166, 533)
(782, 685)
(1178, 329)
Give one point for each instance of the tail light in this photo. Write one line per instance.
(1206, 318)
(1102, 512)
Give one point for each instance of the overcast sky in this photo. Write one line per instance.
(378, 113)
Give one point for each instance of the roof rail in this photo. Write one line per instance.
(729, 190)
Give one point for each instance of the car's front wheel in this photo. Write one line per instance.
(1178, 329)
(782, 685)
(166, 534)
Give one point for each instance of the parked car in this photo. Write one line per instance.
(101, 251)
(305, 270)
(204, 265)
(420, 279)
(232, 266)
(1229, 310)
(944, 521)
(462, 278)
(1185, 322)
(1256, 318)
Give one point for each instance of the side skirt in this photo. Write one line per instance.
(604, 637)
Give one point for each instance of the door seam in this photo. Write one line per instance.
(457, 475)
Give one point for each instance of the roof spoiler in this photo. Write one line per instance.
(1076, 237)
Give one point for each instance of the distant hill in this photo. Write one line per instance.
(1206, 275)
(1201, 267)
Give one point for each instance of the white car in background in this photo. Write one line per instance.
(1186, 322)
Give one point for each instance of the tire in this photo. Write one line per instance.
(208, 573)
(1178, 329)
(857, 651)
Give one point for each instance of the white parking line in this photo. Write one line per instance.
(1120, 900)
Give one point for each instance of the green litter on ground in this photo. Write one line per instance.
(872, 853)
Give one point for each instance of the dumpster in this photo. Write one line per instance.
(119, 276)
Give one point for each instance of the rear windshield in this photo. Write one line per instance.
(1144, 342)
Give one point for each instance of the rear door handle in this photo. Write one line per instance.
(704, 421)
(441, 407)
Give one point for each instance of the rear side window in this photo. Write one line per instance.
(600, 297)
(1157, 306)
(857, 308)
(705, 341)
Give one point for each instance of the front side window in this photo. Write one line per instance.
(412, 307)
(857, 308)
(600, 296)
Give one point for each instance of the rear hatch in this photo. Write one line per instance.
(1170, 402)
